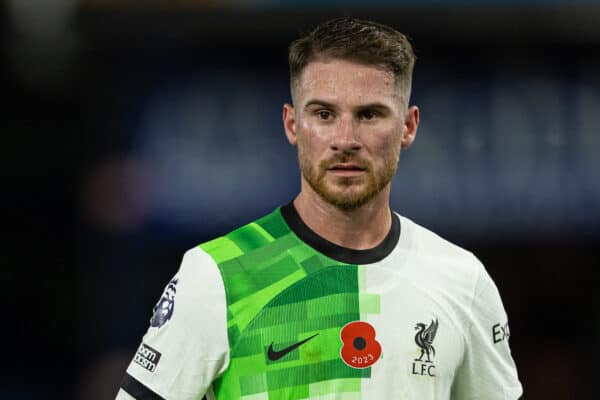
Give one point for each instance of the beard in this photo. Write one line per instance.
(347, 193)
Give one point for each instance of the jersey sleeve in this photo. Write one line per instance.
(487, 370)
(186, 347)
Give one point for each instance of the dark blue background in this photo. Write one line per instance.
(131, 134)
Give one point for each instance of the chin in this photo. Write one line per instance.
(348, 200)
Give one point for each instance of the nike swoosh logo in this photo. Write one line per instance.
(276, 355)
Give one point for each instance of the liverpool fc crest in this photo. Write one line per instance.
(424, 339)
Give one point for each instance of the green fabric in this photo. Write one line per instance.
(280, 291)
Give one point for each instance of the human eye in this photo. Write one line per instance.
(324, 115)
(367, 115)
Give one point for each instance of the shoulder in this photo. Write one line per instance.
(425, 243)
(448, 271)
(246, 239)
(441, 267)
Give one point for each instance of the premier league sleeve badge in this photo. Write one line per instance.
(163, 310)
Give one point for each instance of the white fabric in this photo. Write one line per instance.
(427, 278)
(123, 395)
(193, 344)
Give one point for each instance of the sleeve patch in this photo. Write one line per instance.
(147, 357)
(500, 332)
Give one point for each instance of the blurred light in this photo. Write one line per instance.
(216, 143)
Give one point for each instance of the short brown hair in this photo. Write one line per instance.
(351, 39)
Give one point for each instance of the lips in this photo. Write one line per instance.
(346, 167)
(346, 170)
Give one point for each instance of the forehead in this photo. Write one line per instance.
(346, 81)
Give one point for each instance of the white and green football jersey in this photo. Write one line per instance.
(274, 311)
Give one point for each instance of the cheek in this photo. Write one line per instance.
(384, 142)
(316, 130)
(311, 137)
(308, 130)
(304, 125)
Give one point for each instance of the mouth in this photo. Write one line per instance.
(346, 169)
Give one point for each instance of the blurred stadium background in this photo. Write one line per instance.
(134, 130)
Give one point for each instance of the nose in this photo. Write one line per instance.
(345, 136)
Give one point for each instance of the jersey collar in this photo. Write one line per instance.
(340, 253)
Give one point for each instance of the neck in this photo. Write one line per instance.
(359, 229)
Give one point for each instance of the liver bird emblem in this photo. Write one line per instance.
(424, 339)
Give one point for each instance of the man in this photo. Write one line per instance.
(333, 296)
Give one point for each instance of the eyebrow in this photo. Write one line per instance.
(326, 104)
(321, 103)
(377, 106)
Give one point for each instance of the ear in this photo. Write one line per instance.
(289, 123)
(411, 123)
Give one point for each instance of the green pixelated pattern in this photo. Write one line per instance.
(281, 291)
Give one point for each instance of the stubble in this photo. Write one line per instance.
(347, 193)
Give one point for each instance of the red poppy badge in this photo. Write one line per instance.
(359, 347)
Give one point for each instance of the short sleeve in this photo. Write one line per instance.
(488, 371)
(186, 347)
